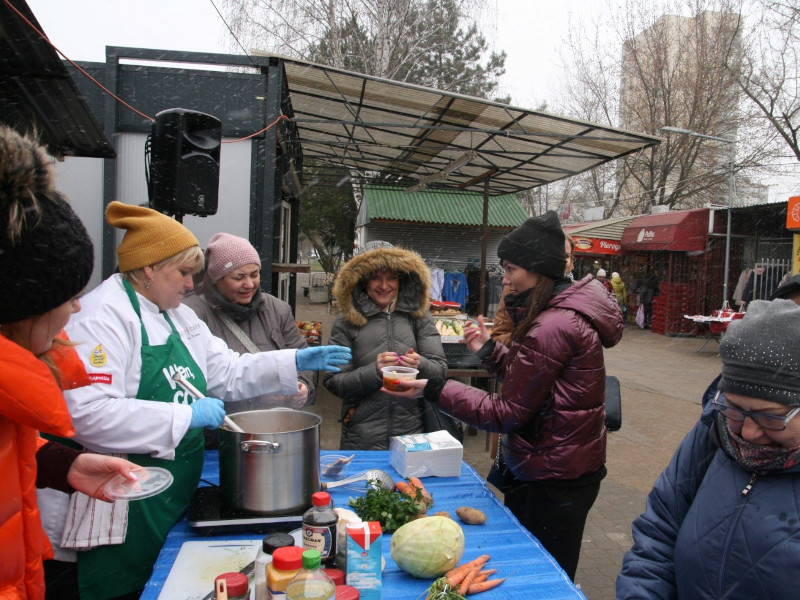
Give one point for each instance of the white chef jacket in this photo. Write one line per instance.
(107, 415)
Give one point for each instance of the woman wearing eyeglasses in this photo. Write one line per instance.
(723, 520)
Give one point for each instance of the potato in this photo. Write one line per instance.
(442, 513)
(471, 516)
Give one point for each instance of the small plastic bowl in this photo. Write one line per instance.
(339, 471)
(393, 375)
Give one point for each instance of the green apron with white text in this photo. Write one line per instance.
(109, 571)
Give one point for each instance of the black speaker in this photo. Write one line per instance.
(183, 174)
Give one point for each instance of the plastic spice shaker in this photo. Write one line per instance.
(286, 563)
(269, 544)
(238, 588)
(319, 528)
(336, 575)
(346, 592)
(311, 583)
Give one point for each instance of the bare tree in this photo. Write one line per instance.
(429, 42)
(768, 73)
(669, 63)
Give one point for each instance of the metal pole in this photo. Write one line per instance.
(728, 232)
(732, 142)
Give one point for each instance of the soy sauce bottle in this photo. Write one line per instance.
(319, 528)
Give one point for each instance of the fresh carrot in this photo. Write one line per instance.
(484, 575)
(404, 488)
(461, 570)
(462, 589)
(477, 588)
(416, 482)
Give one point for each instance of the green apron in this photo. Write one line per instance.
(110, 571)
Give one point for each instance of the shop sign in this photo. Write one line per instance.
(793, 214)
(586, 245)
(646, 235)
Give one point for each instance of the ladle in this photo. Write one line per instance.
(181, 381)
(382, 477)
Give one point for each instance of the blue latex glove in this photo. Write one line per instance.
(323, 358)
(207, 412)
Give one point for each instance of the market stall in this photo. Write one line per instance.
(530, 571)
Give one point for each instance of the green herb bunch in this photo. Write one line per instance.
(390, 508)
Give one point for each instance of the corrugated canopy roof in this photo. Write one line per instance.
(409, 133)
(608, 229)
(37, 93)
(444, 207)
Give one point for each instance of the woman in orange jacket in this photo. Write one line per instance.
(46, 262)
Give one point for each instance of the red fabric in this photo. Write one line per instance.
(551, 403)
(30, 401)
(680, 230)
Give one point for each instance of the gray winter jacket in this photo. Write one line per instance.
(272, 327)
(369, 417)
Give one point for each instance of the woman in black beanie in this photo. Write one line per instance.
(550, 408)
(45, 262)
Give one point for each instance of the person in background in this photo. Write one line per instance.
(647, 292)
(601, 277)
(230, 301)
(789, 290)
(503, 325)
(722, 520)
(550, 407)
(619, 292)
(46, 262)
(134, 335)
(383, 298)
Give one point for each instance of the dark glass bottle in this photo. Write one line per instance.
(319, 528)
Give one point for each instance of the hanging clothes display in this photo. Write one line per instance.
(437, 283)
(494, 291)
(455, 288)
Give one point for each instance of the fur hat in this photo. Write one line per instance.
(46, 255)
(601, 272)
(537, 245)
(415, 282)
(226, 253)
(150, 237)
(761, 353)
(615, 275)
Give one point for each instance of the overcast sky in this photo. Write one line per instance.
(530, 31)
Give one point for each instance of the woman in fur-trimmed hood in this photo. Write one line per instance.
(383, 298)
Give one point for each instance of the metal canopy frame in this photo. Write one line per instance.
(37, 93)
(397, 133)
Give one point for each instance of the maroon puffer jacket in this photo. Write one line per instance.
(551, 402)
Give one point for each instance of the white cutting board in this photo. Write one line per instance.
(198, 564)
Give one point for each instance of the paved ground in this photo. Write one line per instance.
(662, 380)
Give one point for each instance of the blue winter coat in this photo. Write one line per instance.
(702, 537)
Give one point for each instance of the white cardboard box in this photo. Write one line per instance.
(436, 454)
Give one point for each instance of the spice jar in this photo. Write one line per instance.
(238, 587)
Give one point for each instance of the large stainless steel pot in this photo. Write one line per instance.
(272, 468)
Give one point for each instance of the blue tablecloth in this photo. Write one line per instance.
(515, 553)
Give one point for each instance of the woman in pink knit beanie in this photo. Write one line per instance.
(229, 300)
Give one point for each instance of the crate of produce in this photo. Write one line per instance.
(311, 331)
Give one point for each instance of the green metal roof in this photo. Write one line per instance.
(442, 207)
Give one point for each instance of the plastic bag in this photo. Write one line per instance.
(640, 316)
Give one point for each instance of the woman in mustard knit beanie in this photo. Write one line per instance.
(134, 334)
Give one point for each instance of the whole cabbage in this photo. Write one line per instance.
(428, 547)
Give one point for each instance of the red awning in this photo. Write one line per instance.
(680, 231)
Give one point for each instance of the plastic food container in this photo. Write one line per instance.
(393, 376)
